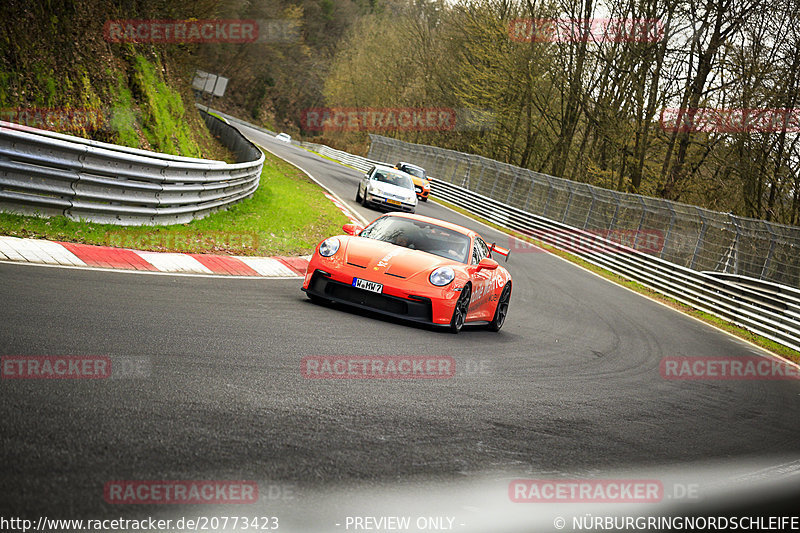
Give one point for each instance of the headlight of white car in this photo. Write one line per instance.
(374, 188)
(442, 276)
(329, 247)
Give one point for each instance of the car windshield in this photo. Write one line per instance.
(419, 235)
(414, 171)
(400, 180)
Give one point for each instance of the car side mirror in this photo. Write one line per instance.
(487, 264)
(352, 229)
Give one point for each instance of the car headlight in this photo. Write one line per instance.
(442, 276)
(374, 189)
(329, 247)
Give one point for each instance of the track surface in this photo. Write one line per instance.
(570, 385)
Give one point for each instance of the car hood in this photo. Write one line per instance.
(378, 257)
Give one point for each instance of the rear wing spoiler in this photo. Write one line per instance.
(505, 252)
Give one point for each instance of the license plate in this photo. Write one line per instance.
(367, 285)
(393, 202)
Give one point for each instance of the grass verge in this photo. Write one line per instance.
(287, 215)
(740, 332)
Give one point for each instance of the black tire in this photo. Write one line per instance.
(501, 311)
(461, 309)
(364, 199)
(424, 198)
(358, 195)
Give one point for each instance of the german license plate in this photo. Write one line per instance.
(367, 285)
(393, 202)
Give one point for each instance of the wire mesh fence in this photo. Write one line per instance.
(690, 236)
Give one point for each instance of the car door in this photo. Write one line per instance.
(362, 187)
(482, 283)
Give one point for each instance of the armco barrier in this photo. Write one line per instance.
(46, 173)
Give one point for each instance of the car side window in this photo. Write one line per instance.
(479, 251)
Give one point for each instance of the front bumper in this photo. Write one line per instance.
(421, 309)
(382, 201)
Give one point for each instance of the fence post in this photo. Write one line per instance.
(569, 202)
(591, 207)
(547, 200)
(616, 211)
(530, 190)
(699, 238)
(644, 212)
(669, 229)
(735, 246)
(511, 189)
(772, 238)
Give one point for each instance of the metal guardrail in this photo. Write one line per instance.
(769, 309)
(45, 173)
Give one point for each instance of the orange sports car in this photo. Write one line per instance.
(413, 267)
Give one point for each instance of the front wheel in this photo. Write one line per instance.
(424, 198)
(461, 309)
(358, 195)
(502, 309)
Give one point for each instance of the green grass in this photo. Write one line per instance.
(287, 215)
(740, 332)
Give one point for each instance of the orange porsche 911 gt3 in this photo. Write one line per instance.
(413, 267)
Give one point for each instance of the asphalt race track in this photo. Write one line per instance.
(569, 387)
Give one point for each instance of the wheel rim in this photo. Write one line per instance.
(462, 306)
(502, 307)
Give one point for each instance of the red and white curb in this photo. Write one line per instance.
(344, 209)
(85, 255)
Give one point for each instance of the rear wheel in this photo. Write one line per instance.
(502, 309)
(461, 309)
